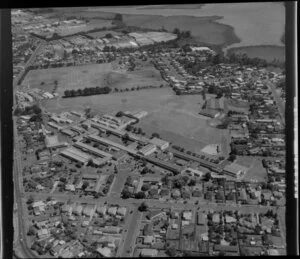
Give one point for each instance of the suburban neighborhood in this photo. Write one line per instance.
(139, 142)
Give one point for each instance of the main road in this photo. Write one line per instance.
(21, 242)
(17, 173)
(29, 62)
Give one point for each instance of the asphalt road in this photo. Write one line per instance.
(132, 232)
(24, 251)
(28, 63)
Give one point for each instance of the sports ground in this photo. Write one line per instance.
(174, 117)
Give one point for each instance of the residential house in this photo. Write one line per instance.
(201, 219)
(149, 252)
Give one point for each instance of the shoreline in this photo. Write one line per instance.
(257, 47)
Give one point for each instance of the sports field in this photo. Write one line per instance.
(174, 117)
(101, 75)
(256, 170)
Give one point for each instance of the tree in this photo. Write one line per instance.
(85, 185)
(90, 162)
(143, 207)
(171, 251)
(232, 157)
(31, 231)
(207, 176)
(155, 135)
(140, 195)
(176, 31)
(36, 109)
(30, 200)
(216, 59)
(120, 114)
(125, 137)
(118, 17)
(129, 128)
(63, 179)
(192, 182)
(108, 35)
(145, 187)
(126, 194)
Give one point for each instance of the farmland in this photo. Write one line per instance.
(175, 118)
(69, 78)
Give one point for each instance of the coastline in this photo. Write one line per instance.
(260, 48)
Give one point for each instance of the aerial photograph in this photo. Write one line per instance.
(149, 131)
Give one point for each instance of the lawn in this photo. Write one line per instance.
(256, 170)
(92, 75)
(174, 117)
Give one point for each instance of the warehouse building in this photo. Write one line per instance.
(161, 144)
(111, 143)
(235, 170)
(76, 155)
(94, 151)
(147, 150)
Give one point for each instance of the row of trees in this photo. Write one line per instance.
(87, 91)
(117, 90)
(182, 34)
(29, 110)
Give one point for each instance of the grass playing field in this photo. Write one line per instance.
(69, 78)
(256, 170)
(174, 117)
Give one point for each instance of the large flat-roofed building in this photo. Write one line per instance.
(146, 252)
(77, 129)
(216, 104)
(53, 142)
(76, 155)
(69, 133)
(108, 142)
(161, 144)
(54, 125)
(147, 150)
(102, 127)
(235, 170)
(166, 165)
(202, 162)
(92, 150)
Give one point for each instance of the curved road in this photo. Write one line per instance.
(24, 252)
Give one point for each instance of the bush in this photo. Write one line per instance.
(126, 194)
(140, 195)
(143, 207)
(145, 187)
